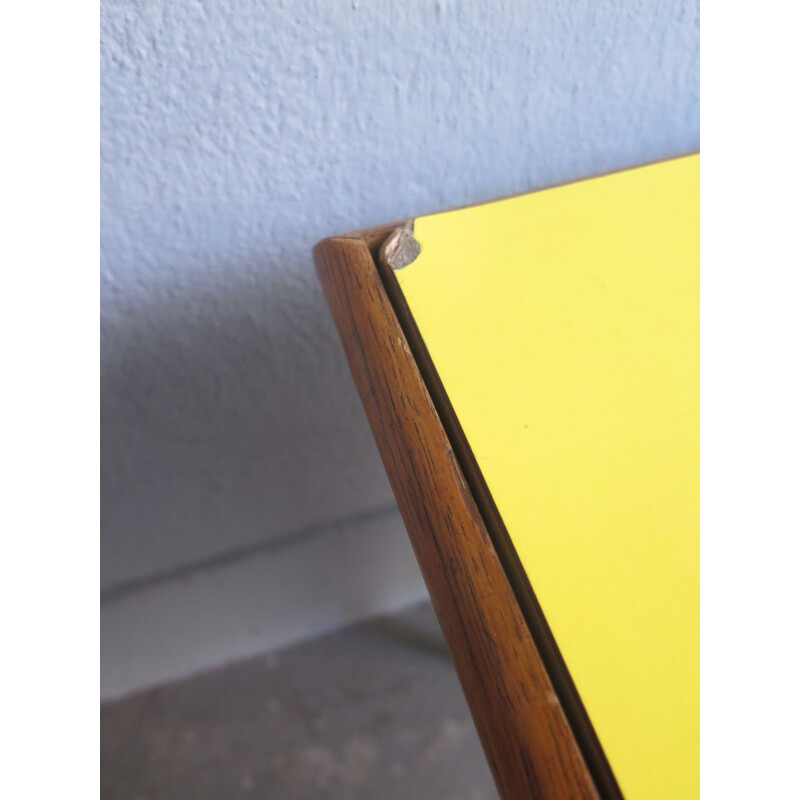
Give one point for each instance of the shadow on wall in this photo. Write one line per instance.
(229, 419)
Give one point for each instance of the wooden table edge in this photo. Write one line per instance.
(529, 743)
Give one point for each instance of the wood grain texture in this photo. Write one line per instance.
(528, 743)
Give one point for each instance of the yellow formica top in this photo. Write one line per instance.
(564, 326)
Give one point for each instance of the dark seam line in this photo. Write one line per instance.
(571, 703)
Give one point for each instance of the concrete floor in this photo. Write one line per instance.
(374, 711)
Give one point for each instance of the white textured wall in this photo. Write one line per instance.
(235, 134)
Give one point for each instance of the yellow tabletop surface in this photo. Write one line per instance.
(564, 326)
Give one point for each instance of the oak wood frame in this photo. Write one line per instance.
(498, 638)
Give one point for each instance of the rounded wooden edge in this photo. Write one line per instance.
(528, 742)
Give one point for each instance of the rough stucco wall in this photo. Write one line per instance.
(235, 134)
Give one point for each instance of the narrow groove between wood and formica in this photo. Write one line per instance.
(525, 734)
(565, 689)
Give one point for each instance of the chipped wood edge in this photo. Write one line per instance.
(400, 248)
